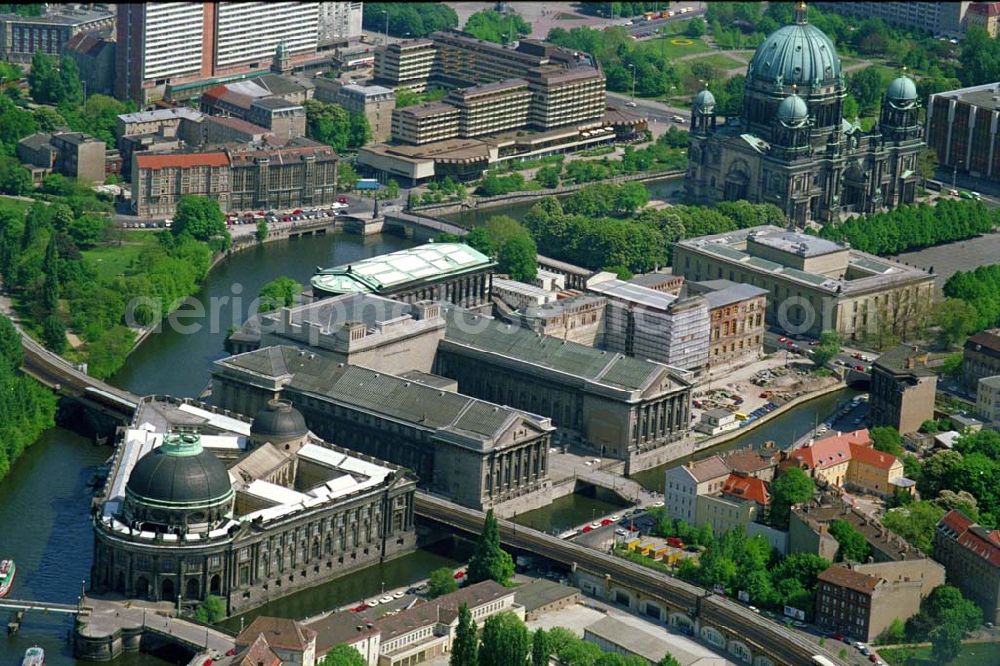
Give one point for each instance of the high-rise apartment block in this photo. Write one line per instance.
(944, 18)
(164, 49)
(339, 21)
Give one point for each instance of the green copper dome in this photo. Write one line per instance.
(798, 54)
(793, 110)
(179, 474)
(902, 89)
(704, 101)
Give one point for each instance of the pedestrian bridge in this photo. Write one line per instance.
(43, 606)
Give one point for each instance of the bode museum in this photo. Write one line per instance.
(791, 145)
(202, 502)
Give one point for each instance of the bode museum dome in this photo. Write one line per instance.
(791, 145)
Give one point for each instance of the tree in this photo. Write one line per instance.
(894, 633)
(14, 179)
(668, 660)
(347, 177)
(88, 230)
(49, 119)
(489, 560)
(262, 232)
(416, 19)
(927, 164)
(69, 77)
(792, 487)
(631, 197)
(279, 292)
(465, 649)
(54, 334)
(505, 640)
(440, 582)
(915, 522)
(946, 643)
(493, 26)
(853, 546)
(212, 610)
(200, 218)
(11, 353)
(541, 648)
(44, 83)
(827, 349)
(952, 365)
(50, 267)
(887, 440)
(392, 189)
(548, 176)
(695, 28)
(518, 257)
(343, 655)
(332, 124)
(955, 319)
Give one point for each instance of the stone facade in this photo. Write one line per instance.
(971, 556)
(980, 358)
(902, 390)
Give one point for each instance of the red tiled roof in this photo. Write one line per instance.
(181, 160)
(747, 488)
(279, 632)
(870, 456)
(258, 654)
(841, 576)
(831, 450)
(972, 537)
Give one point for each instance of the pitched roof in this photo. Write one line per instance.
(443, 609)
(181, 160)
(958, 527)
(340, 627)
(712, 467)
(829, 451)
(259, 653)
(841, 576)
(898, 361)
(747, 488)
(987, 342)
(747, 460)
(869, 455)
(279, 632)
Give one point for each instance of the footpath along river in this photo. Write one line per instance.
(45, 500)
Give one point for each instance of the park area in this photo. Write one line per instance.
(972, 654)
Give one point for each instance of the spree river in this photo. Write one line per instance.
(44, 501)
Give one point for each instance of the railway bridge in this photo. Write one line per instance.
(743, 635)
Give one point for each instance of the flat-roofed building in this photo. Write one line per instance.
(286, 120)
(980, 358)
(814, 285)
(359, 329)
(425, 123)
(988, 398)
(452, 272)
(491, 107)
(376, 103)
(339, 21)
(938, 18)
(736, 312)
(160, 180)
(902, 389)
(405, 64)
(157, 121)
(577, 319)
(474, 452)
(960, 130)
(23, 36)
(646, 323)
(519, 295)
(664, 281)
(71, 154)
(607, 402)
(565, 96)
(971, 557)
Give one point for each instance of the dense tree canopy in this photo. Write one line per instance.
(465, 648)
(333, 125)
(853, 546)
(413, 19)
(505, 641)
(792, 487)
(343, 655)
(980, 288)
(492, 26)
(440, 582)
(202, 219)
(279, 292)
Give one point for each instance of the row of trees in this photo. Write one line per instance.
(979, 288)
(26, 407)
(914, 227)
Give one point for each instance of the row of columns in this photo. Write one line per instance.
(517, 468)
(661, 419)
(468, 290)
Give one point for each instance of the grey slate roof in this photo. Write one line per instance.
(569, 358)
(734, 294)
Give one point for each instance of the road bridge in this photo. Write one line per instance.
(726, 625)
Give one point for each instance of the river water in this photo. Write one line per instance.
(44, 501)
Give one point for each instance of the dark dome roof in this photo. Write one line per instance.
(279, 420)
(180, 474)
(799, 54)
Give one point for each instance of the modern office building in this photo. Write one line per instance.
(962, 131)
(23, 36)
(813, 284)
(491, 108)
(971, 557)
(562, 97)
(861, 600)
(791, 146)
(902, 389)
(937, 18)
(70, 154)
(425, 123)
(175, 50)
(474, 452)
(339, 21)
(406, 64)
(736, 314)
(452, 272)
(650, 324)
(205, 502)
(609, 403)
(980, 358)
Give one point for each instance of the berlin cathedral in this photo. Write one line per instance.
(791, 145)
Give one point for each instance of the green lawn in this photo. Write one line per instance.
(719, 61)
(662, 45)
(111, 260)
(973, 654)
(14, 205)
